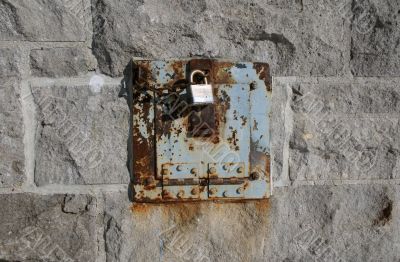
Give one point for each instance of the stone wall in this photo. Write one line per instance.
(65, 123)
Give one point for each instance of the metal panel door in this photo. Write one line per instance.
(185, 152)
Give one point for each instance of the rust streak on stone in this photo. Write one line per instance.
(262, 69)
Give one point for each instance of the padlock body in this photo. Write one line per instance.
(201, 94)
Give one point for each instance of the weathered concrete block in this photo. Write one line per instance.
(296, 224)
(334, 223)
(12, 159)
(42, 228)
(336, 129)
(186, 232)
(10, 60)
(59, 62)
(82, 135)
(344, 147)
(47, 20)
(293, 39)
(375, 38)
(280, 130)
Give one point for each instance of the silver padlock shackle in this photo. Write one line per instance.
(197, 71)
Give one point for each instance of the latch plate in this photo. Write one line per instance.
(218, 150)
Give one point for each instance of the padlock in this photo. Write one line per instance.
(200, 94)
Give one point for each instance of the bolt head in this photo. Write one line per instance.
(193, 171)
(225, 167)
(239, 190)
(179, 168)
(149, 180)
(195, 191)
(180, 194)
(213, 191)
(255, 176)
(240, 170)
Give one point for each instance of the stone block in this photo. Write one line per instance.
(336, 129)
(46, 228)
(375, 36)
(60, 62)
(12, 158)
(294, 41)
(82, 134)
(47, 20)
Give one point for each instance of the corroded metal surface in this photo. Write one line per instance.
(183, 152)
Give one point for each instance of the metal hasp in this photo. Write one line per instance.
(183, 151)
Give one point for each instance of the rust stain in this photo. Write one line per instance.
(142, 147)
(178, 76)
(221, 73)
(262, 205)
(268, 165)
(167, 195)
(262, 69)
(149, 183)
(255, 125)
(225, 102)
(140, 208)
(142, 72)
(178, 68)
(233, 139)
(182, 213)
(244, 120)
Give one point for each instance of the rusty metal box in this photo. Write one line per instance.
(187, 152)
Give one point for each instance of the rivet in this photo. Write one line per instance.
(180, 194)
(225, 167)
(213, 191)
(149, 180)
(195, 191)
(225, 194)
(254, 176)
(179, 168)
(213, 170)
(193, 171)
(240, 170)
(166, 193)
(239, 190)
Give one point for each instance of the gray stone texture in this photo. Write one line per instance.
(60, 62)
(47, 228)
(12, 159)
(307, 223)
(43, 20)
(82, 134)
(339, 129)
(335, 130)
(10, 62)
(296, 39)
(375, 38)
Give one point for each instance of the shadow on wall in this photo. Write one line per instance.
(126, 92)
